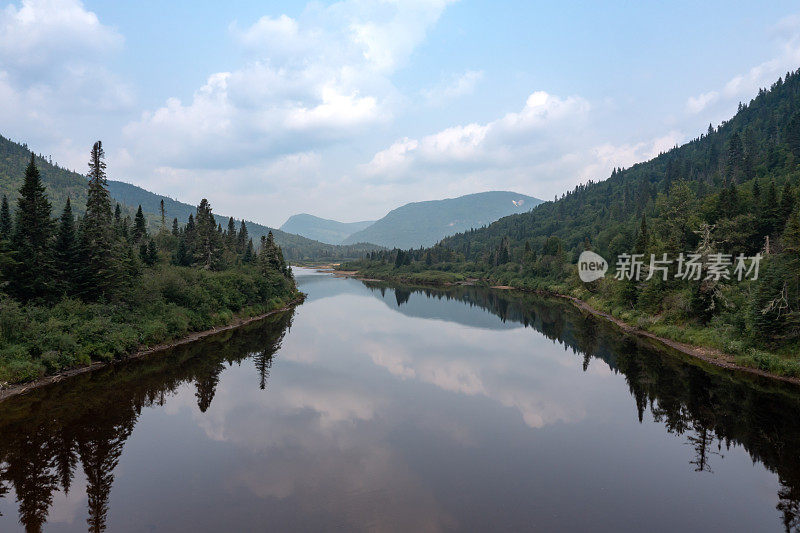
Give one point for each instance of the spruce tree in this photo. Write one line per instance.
(176, 230)
(66, 252)
(99, 266)
(139, 226)
(231, 236)
(5, 219)
(208, 238)
(769, 216)
(242, 238)
(787, 202)
(32, 238)
(249, 252)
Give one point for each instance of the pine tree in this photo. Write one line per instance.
(5, 219)
(793, 136)
(769, 216)
(787, 201)
(99, 268)
(139, 226)
(66, 252)
(242, 238)
(231, 236)
(249, 252)
(32, 237)
(163, 217)
(176, 230)
(208, 239)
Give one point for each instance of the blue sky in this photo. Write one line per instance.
(349, 109)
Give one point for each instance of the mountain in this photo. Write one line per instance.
(62, 183)
(322, 229)
(426, 223)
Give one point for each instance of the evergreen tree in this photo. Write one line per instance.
(139, 226)
(231, 236)
(32, 237)
(176, 230)
(787, 201)
(99, 269)
(769, 216)
(66, 251)
(793, 136)
(249, 252)
(208, 239)
(242, 238)
(5, 219)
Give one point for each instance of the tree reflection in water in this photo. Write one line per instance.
(715, 409)
(89, 418)
(46, 434)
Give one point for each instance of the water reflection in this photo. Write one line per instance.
(88, 419)
(405, 409)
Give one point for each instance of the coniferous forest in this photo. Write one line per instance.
(101, 286)
(731, 191)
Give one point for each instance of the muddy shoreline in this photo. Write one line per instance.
(10, 391)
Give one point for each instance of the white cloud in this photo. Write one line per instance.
(53, 56)
(524, 138)
(312, 81)
(39, 32)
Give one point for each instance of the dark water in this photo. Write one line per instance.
(370, 408)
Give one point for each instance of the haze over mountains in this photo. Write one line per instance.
(426, 223)
(302, 236)
(322, 229)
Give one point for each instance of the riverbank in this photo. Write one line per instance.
(8, 391)
(707, 354)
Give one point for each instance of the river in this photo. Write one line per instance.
(376, 408)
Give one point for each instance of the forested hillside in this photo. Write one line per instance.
(730, 191)
(426, 223)
(61, 183)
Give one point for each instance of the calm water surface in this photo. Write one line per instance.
(383, 409)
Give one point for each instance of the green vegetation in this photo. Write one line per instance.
(732, 190)
(101, 287)
(425, 223)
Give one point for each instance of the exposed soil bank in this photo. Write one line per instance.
(20, 388)
(708, 355)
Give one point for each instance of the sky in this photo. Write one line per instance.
(349, 109)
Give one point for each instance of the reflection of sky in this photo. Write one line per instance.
(373, 419)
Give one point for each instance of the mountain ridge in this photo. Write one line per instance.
(425, 223)
(322, 229)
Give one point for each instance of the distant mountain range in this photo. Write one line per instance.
(62, 183)
(302, 236)
(426, 223)
(322, 229)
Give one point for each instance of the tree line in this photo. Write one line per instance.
(98, 256)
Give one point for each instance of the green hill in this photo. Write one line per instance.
(732, 190)
(322, 229)
(426, 223)
(62, 183)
